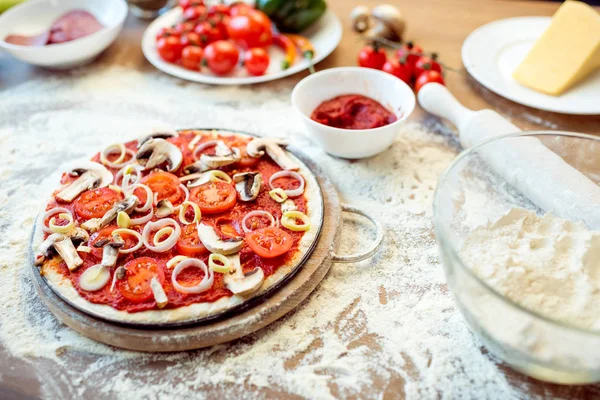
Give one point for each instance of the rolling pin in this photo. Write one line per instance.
(526, 163)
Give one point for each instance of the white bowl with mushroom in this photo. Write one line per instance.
(391, 92)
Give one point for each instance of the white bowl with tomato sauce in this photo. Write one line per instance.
(387, 90)
(33, 17)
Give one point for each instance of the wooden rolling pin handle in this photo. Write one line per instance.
(438, 100)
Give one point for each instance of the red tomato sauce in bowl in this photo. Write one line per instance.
(352, 111)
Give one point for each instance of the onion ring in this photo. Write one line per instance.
(166, 244)
(131, 232)
(292, 192)
(50, 213)
(183, 209)
(120, 161)
(203, 146)
(141, 220)
(257, 213)
(206, 282)
(149, 196)
(121, 175)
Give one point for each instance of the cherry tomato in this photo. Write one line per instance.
(221, 56)
(251, 30)
(411, 52)
(165, 185)
(209, 33)
(184, 27)
(166, 32)
(400, 69)
(240, 9)
(216, 9)
(371, 57)
(269, 242)
(189, 243)
(190, 39)
(169, 48)
(427, 77)
(95, 203)
(214, 197)
(425, 63)
(191, 57)
(256, 61)
(185, 4)
(136, 284)
(195, 12)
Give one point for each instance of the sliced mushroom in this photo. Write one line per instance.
(159, 293)
(241, 283)
(247, 185)
(389, 23)
(257, 147)
(110, 251)
(91, 175)
(164, 208)
(360, 18)
(158, 134)
(155, 152)
(215, 244)
(288, 205)
(223, 156)
(127, 205)
(197, 178)
(64, 246)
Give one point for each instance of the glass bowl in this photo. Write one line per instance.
(470, 194)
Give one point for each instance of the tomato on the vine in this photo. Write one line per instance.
(221, 56)
(166, 31)
(208, 33)
(411, 52)
(425, 63)
(251, 30)
(400, 69)
(428, 77)
(185, 4)
(191, 39)
(216, 9)
(191, 57)
(184, 27)
(372, 57)
(256, 61)
(169, 48)
(240, 9)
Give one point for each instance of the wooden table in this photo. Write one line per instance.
(437, 25)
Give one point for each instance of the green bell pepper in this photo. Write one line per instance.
(292, 15)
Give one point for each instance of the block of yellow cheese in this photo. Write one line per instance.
(566, 53)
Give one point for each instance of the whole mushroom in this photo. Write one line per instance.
(389, 23)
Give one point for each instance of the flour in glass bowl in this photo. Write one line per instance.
(382, 328)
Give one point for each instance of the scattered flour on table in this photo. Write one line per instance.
(385, 327)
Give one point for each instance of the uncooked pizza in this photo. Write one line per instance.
(177, 226)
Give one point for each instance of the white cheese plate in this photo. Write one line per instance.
(493, 51)
(325, 35)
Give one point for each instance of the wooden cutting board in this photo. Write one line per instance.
(266, 311)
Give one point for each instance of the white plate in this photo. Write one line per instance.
(492, 52)
(325, 35)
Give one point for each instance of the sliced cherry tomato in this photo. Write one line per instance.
(371, 57)
(209, 32)
(169, 48)
(251, 30)
(256, 61)
(411, 52)
(166, 185)
(400, 69)
(106, 233)
(427, 77)
(221, 56)
(240, 9)
(216, 9)
(95, 203)
(189, 243)
(136, 284)
(194, 13)
(214, 197)
(246, 160)
(425, 63)
(191, 57)
(269, 242)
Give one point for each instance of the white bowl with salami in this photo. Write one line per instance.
(353, 112)
(61, 34)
